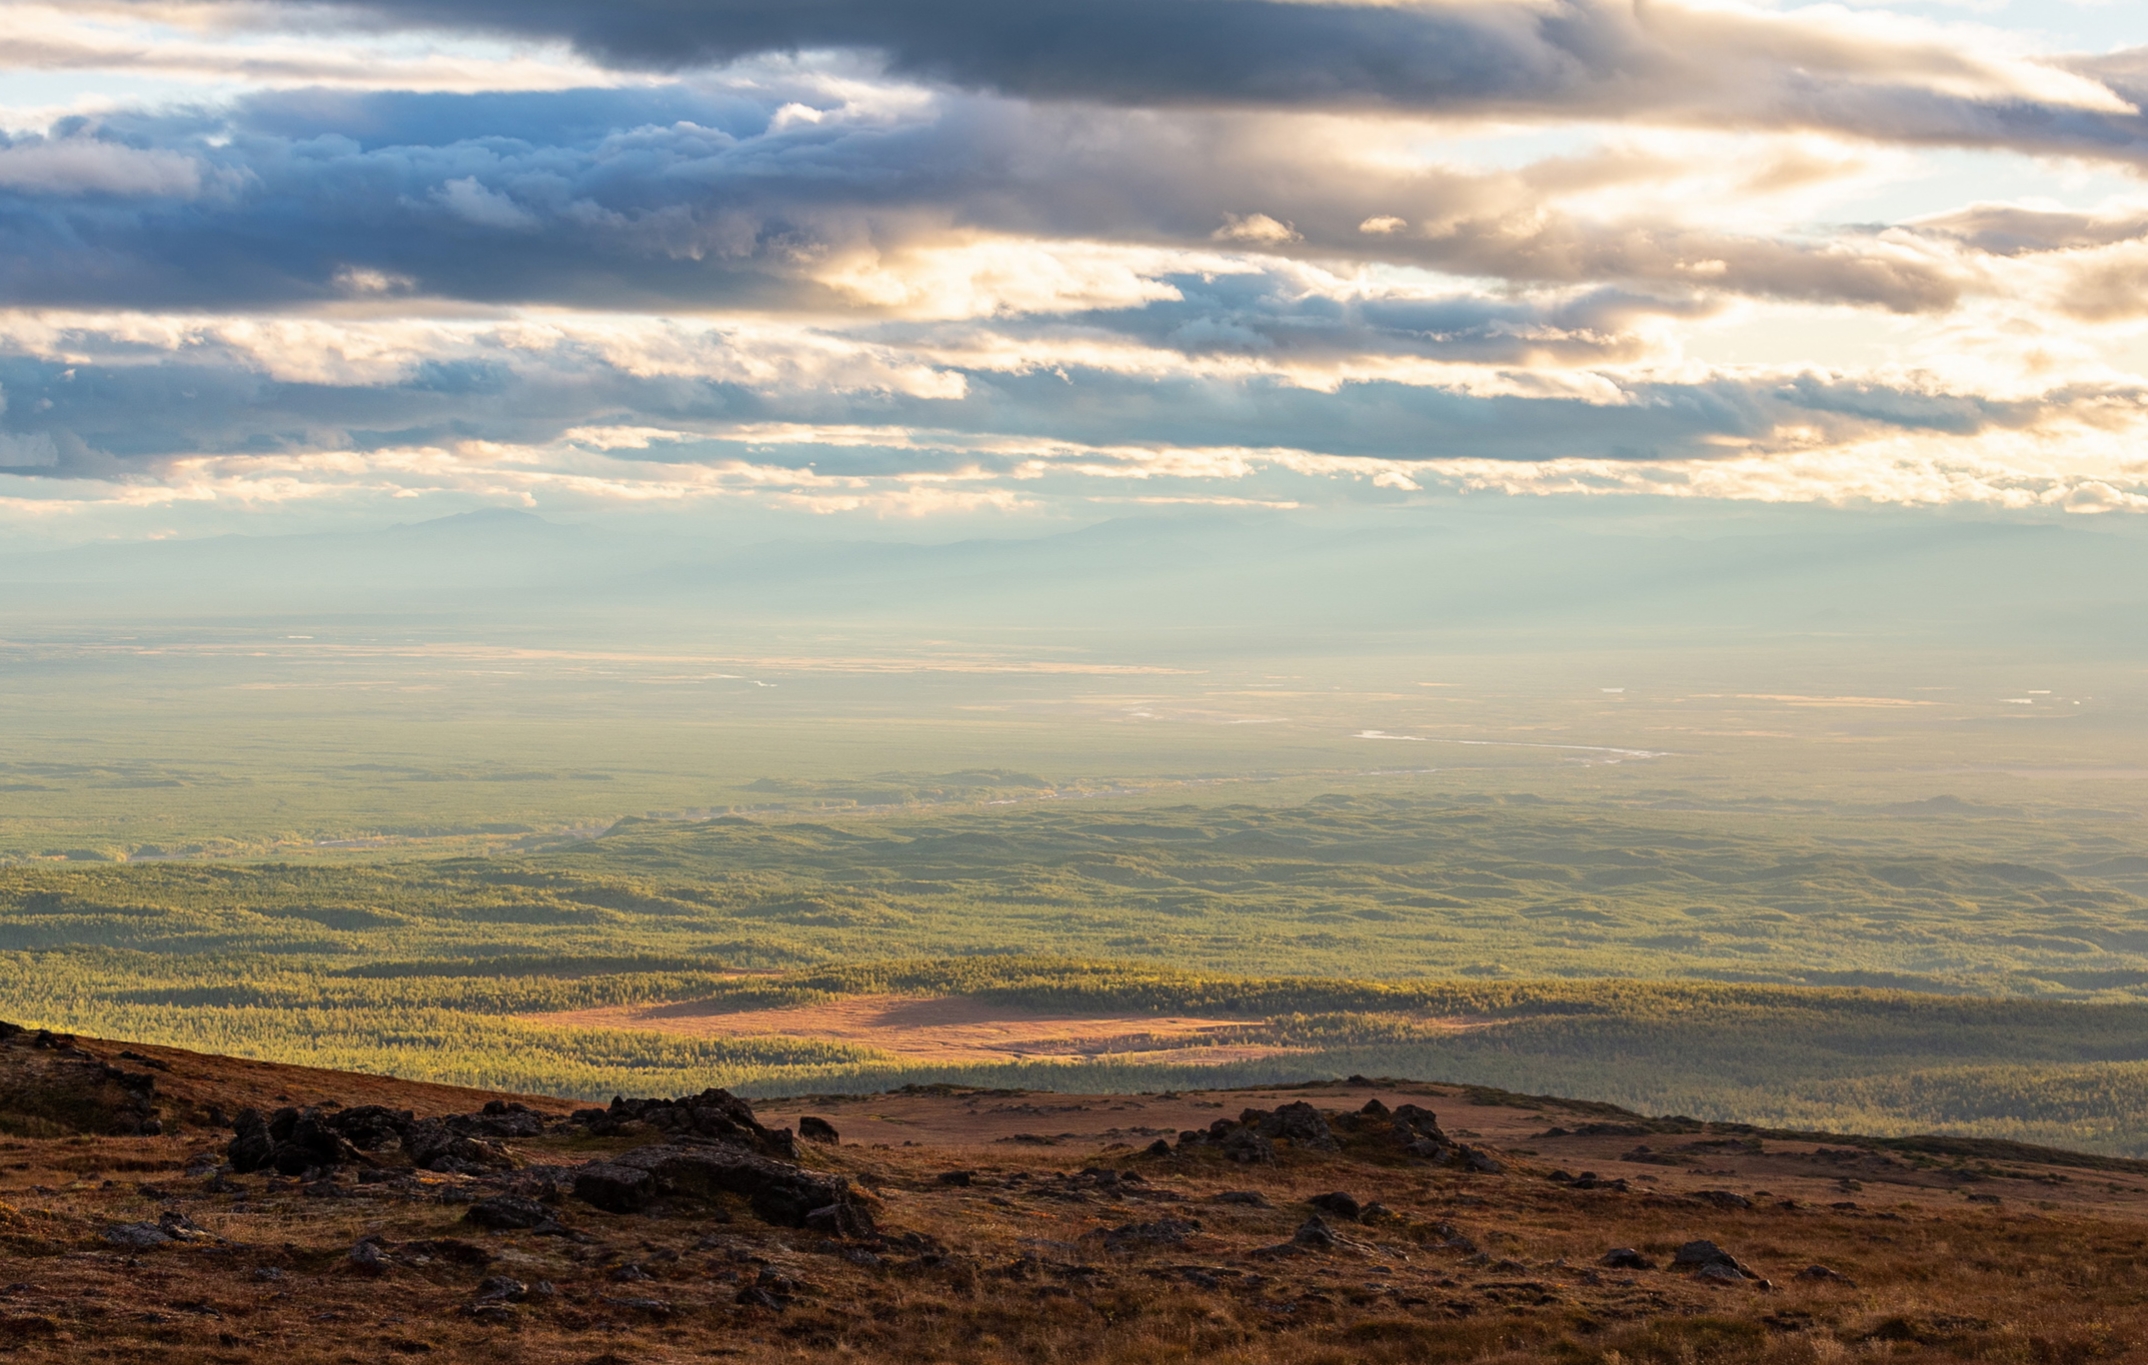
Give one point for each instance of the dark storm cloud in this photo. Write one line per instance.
(1549, 58)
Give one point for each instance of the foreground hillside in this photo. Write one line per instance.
(163, 1205)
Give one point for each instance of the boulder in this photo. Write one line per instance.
(1247, 1146)
(614, 1188)
(1473, 1159)
(444, 1145)
(137, 1236)
(840, 1220)
(817, 1130)
(502, 1212)
(370, 1127)
(1704, 1258)
(1164, 1232)
(1337, 1204)
(1302, 1125)
(1626, 1258)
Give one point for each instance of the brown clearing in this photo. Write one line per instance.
(946, 1029)
(1084, 1249)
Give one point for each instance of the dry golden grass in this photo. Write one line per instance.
(1015, 1266)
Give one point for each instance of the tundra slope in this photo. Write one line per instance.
(299, 1215)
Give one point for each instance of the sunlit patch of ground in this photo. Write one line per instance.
(951, 1028)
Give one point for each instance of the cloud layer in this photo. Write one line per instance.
(940, 256)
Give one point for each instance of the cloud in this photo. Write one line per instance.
(1823, 67)
(717, 200)
(473, 203)
(920, 258)
(1256, 229)
(76, 166)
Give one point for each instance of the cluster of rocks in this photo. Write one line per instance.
(1703, 1260)
(778, 1192)
(717, 1115)
(302, 1141)
(713, 1146)
(1409, 1129)
(51, 1080)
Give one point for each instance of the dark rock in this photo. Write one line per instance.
(1248, 1146)
(1160, 1147)
(817, 1130)
(501, 1288)
(1702, 1257)
(501, 1212)
(1723, 1199)
(770, 1289)
(251, 1149)
(840, 1220)
(777, 1191)
(1589, 1180)
(627, 1274)
(1626, 1258)
(453, 1250)
(500, 1119)
(1315, 1233)
(370, 1127)
(1302, 1125)
(614, 1188)
(1165, 1232)
(368, 1257)
(715, 1114)
(1451, 1238)
(1823, 1274)
(1474, 1159)
(290, 1141)
(446, 1145)
(1376, 1212)
(1338, 1204)
(960, 1178)
(170, 1227)
(137, 1236)
(1250, 1198)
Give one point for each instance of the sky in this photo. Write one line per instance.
(951, 263)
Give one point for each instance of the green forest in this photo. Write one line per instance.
(1910, 968)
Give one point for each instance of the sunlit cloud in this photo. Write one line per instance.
(859, 259)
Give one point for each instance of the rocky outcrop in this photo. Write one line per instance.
(289, 1142)
(717, 1115)
(296, 1141)
(1408, 1130)
(777, 1191)
(49, 1086)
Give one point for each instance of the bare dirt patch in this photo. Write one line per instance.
(946, 1029)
